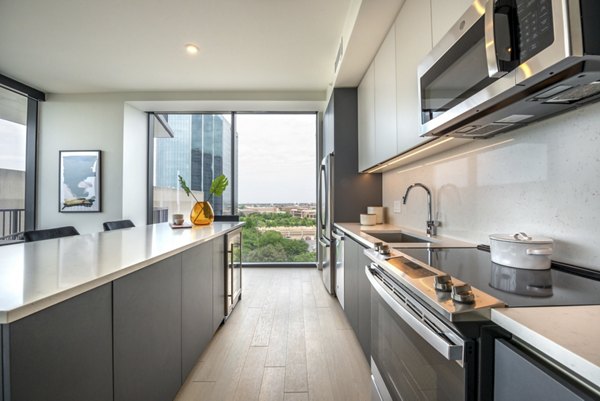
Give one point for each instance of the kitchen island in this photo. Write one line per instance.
(116, 315)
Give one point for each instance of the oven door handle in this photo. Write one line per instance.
(450, 351)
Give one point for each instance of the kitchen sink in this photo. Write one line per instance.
(396, 237)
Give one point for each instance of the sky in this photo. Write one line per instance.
(12, 145)
(277, 158)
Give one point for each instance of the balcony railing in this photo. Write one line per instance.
(12, 225)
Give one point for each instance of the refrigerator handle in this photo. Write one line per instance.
(324, 197)
(324, 242)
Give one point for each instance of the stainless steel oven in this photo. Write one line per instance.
(414, 354)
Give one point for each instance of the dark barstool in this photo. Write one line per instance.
(117, 225)
(39, 235)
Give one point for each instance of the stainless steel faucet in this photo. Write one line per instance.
(431, 224)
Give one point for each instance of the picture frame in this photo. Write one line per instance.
(79, 181)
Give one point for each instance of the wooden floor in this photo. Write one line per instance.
(286, 340)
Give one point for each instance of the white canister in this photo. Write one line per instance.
(377, 211)
(368, 219)
(521, 251)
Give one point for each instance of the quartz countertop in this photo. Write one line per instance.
(36, 275)
(568, 334)
(360, 233)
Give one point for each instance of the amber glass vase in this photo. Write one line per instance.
(202, 213)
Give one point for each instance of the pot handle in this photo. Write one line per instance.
(539, 251)
(521, 236)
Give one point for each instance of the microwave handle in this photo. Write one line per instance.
(451, 352)
(505, 8)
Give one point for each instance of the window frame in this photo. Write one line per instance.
(234, 168)
(33, 96)
(150, 164)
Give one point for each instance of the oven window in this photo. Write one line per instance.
(458, 74)
(410, 367)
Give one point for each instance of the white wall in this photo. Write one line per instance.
(80, 122)
(135, 164)
(543, 179)
(116, 124)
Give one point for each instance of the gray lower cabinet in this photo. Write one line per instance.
(519, 377)
(147, 332)
(218, 262)
(61, 353)
(357, 293)
(196, 304)
(364, 305)
(351, 250)
(1, 369)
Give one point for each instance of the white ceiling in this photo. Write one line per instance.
(83, 46)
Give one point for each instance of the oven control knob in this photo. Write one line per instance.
(384, 250)
(443, 283)
(463, 294)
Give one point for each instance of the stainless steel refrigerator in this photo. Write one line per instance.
(343, 192)
(325, 222)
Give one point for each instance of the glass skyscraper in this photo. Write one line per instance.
(199, 151)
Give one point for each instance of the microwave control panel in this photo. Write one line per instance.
(534, 24)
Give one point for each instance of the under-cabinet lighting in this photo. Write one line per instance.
(409, 154)
(191, 48)
(478, 7)
(470, 151)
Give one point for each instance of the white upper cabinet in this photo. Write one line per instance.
(444, 13)
(385, 99)
(366, 121)
(413, 42)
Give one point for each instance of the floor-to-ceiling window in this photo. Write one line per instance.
(199, 148)
(277, 186)
(18, 125)
(269, 159)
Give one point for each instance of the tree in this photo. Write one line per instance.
(270, 245)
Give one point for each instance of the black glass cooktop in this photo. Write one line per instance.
(515, 287)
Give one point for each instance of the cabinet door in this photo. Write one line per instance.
(410, 50)
(364, 305)
(218, 261)
(385, 99)
(196, 304)
(63, 353)
(366, 120)
(147, 332)
(519, 377)
(444, 14)
(351, 249)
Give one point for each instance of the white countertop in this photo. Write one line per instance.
(36, 275)
(359, 233)
(569, 334)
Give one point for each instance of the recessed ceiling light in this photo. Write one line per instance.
(191, 48)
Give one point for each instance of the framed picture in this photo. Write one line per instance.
(79, 181)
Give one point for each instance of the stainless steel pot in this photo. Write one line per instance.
(521, 251)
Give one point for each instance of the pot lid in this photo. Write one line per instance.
(521, 237)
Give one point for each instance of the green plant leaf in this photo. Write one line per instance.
(219, 185)
(184, 186)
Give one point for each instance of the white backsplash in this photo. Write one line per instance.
(543, 179)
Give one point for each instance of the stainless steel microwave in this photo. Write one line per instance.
(506, 63)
